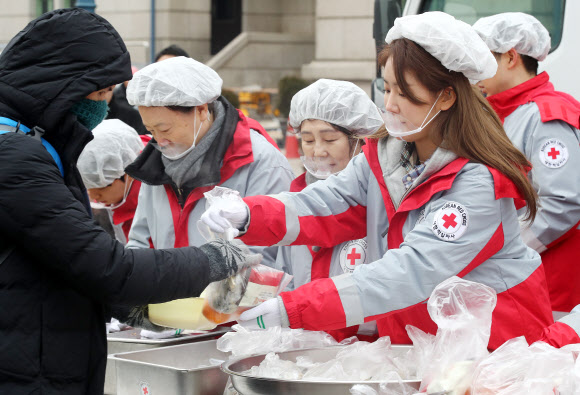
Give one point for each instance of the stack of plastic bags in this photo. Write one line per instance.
(241, 341)
(539, 369)
(454, 361)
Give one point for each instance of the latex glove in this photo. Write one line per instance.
(115, 326)
(165, 334)
(226, 258)
(263, 316)
(223, 214)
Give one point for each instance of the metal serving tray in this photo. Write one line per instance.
(175, 370)
(130, 340)
(251, 385)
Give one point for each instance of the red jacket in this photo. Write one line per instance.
(320, 268)
(523, 307)
(562, 256)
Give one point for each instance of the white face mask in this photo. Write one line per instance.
(100, 206)
(322, 167)
(174, 151)
(399, 126)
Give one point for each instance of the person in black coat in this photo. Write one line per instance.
(59, 271)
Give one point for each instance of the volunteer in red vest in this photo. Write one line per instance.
(436, 197)
(102, 166)
(543, 124)
(199, 141)
(331, 118)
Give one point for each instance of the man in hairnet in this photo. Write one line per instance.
(543, 124)
(102, 166)
(60, 272)
(199, 141)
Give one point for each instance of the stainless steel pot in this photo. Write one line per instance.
(251, 385)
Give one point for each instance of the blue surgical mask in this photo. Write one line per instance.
(90, 112)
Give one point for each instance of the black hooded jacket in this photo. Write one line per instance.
(62, 269)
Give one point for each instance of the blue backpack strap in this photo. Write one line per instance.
(54, 155)
(37, 133)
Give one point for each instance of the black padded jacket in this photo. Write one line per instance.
(63, 270)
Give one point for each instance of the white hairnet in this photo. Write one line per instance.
(177, 81)
(517, 30)
(453, 42)
(104, 159)
(339, 102)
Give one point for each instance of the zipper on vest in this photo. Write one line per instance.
(180, 198)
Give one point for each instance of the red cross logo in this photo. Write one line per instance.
(353, 256)
(449, 221)
(553, 153)
(145, 390)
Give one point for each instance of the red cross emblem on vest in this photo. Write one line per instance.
(450, 222)
(553, 153)
(352, 254)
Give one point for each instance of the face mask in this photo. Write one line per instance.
(174, 151)
(90, 112)
(399, 126)
(99, 205)
(321, 167)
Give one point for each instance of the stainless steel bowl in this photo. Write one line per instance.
(246, 384)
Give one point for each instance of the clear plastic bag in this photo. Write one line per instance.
(516, 368)
(396, 386)
(462, 311)
(227, 299)
(242, 342)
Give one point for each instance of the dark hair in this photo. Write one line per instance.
(530, 64)
(470, 127)
(187, 110)
(172, 50)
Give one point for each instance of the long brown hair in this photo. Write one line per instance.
(470, 128)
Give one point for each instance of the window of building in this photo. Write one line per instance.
(549, 12)
(44, 6)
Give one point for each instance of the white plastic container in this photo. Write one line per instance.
(181, 314)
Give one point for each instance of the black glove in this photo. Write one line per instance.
(227, 258)
(137, 317)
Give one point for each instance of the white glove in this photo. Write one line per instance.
(263, 316)
(115, 326)
(224, 214)
(160, 335)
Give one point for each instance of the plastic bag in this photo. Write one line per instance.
(274, 367)
(514, 368)
(210, 197)
(396, 386)
(243, 342)
(227, 299)
(462, 311)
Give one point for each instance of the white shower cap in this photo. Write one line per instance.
(453, 42)
(104, 159)
(338, 102)
(517, 30)
(177, 81)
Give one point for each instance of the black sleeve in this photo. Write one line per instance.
(41, 217)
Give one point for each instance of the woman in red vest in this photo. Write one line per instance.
(436, 197)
